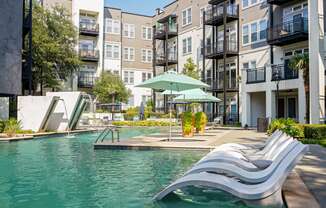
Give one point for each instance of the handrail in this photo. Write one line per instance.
(106, 132)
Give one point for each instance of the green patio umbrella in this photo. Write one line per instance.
(196, 96)
(172, 81)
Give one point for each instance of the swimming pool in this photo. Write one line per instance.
(67, 172)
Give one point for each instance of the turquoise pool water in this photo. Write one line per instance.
(67, 172)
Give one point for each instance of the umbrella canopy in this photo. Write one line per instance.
(169, 92)
(171, 80)
(196, 96)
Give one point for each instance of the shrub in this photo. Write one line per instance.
(289, 126)
(12, 126)
(315, 131)
(321, 142)
(188, 122)
(2, 126)
(200, 121)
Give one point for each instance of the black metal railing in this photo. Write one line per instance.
(289, 28)
(283, 72)
(256, 75)
(162, 29)
(86, 79)
(216, 12)
(171, 57)
(88, 27)
(91, 54)
(231, 47)
(230, 85)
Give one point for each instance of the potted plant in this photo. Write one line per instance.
(188, 124)
(200, 122)
(12, 126)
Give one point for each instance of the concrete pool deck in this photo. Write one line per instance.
(305, 187)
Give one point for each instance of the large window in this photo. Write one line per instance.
(129, 54)
(128, 77)
(147, 33)
(146, 76)
(112, 26)
(129, 30)
(146, 55)
(187, 45)
(112, 51)
(254, 32)
(186, 16)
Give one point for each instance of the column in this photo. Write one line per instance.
(270, 104)
(316, 65)
(246, 113)
(301, 103)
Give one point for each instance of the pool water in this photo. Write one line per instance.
(67, 172)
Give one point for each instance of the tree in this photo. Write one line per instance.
(54, 40)
(300, 62)
(109, 88)
(190, 69)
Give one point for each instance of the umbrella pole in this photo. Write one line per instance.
(170, 135)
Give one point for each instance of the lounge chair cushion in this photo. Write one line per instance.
(262, 164)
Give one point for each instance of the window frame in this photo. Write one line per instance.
(258, 31)
(130, 28)
(188, 16)
(130, 54)
(115, 49)
(114, 22)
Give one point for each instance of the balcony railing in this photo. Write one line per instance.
(256, 75)
(278, 2)
(86, 79)
(288, 32)
(214, 14)
(283, 72)
(171, 30)
(219, 84)
(88, 28)
(231, 48)
(89, 54)
(171, 58)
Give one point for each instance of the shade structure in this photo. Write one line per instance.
(169, 92)
(171, 80)
(196, 96)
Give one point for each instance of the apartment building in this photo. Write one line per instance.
(244, 55)
(177, 36)
(87, 16)
(128, 50)
(272, 32)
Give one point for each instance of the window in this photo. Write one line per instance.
(143, 77)
(186, 17)
(146, 76)
(112, 26)
(249, 3)
(254, 36)
(128, 77)
(129, 30)
(146, 55)
(254, 32)
(147, 33)
(249, 65)
(187, 45)
(129, 54)
(245, 34)
(262, 29)
(149, 75)
(112, 51)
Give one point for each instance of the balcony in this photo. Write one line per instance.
(232, 86)
(171, 59)
(165, 31)
(88, 28)
(214, 14)
(217, 51)
(90, 55)
(86, 79)
(288, 32)
(278, 2)
(283, 72)
(256, 75)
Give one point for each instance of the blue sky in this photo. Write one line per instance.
(146, 7)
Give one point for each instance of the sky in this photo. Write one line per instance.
(146, 7)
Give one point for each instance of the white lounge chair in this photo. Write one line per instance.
(267, 193)
(247, 161)
(232, 170)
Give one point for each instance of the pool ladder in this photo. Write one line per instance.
(106, 132)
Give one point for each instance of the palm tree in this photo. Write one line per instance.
(300, 62)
